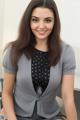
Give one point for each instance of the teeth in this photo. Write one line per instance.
(42, 32)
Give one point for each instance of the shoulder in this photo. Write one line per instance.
(8, 50)
(67, 58)
(7, 61)
(66, 49)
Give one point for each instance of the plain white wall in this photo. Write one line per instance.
(13, 13)
(70, 19)
(1, 19)
(1, 30)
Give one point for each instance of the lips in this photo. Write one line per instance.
(41, 32)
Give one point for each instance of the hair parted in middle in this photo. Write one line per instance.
(26, 40)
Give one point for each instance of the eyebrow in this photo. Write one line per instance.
(44, 18)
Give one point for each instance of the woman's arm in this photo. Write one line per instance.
(68, 97)
(7, 95)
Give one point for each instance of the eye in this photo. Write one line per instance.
(34, 20)
(48, 20)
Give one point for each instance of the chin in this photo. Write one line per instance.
(41, 38)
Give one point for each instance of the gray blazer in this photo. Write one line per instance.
(24, 93)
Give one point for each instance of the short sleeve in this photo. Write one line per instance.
(7, 65)
(69, 62)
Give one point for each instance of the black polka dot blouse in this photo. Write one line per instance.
(40, 70)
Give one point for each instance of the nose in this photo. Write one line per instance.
(41, 24)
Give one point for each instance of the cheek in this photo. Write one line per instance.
(33, 26)
(50, 27)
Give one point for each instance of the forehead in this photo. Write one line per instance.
(42, 12)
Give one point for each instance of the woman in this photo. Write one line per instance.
(36, 64)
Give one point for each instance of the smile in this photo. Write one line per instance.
(41, 32)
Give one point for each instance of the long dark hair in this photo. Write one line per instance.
(26, 40)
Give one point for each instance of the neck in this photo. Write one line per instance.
(42, 46)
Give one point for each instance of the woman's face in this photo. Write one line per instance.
(42, 22)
